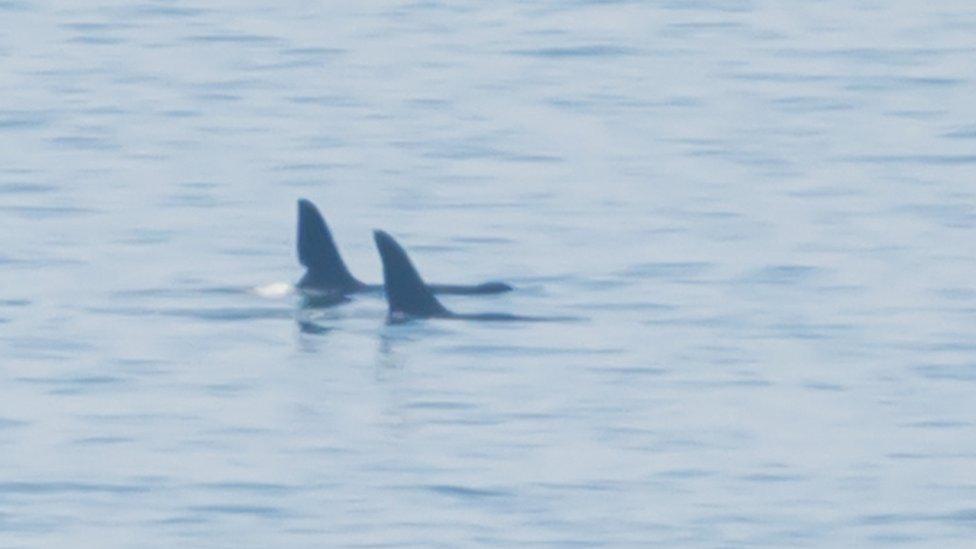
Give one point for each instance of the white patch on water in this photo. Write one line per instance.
(275, 290)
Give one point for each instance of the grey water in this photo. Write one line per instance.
(763, 212)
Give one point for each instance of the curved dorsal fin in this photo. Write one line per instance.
(318, 253)
(406, 292)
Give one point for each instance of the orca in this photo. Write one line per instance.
(409, 297)
(327, 274)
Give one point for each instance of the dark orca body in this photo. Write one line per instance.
(409, 297)
(326, 272)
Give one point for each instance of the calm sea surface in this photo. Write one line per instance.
(763, 212)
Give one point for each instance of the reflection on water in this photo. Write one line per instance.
(763, 211)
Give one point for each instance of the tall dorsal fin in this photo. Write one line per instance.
(406, 292)
(318, 253)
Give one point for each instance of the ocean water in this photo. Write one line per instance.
(762, 213)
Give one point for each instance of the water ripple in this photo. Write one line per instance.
(596, 50)
(57, 487)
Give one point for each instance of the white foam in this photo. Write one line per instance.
(274, 290)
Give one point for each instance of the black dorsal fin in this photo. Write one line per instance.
(406, 292)
(318, 253)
